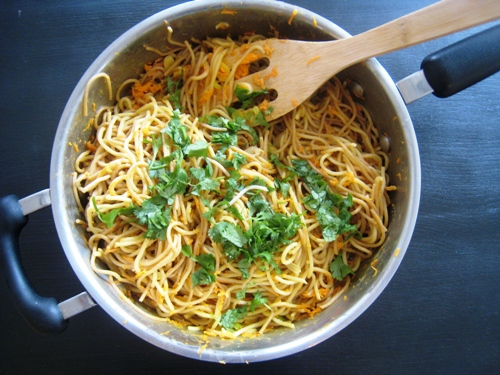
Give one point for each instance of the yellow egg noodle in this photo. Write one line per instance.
(246, 242)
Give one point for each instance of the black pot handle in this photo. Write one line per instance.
(463, 64)
(42, 313)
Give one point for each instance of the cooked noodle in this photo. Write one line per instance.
(331, 132)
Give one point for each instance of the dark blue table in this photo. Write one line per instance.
(440, 313)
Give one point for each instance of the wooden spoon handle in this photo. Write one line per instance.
(437, 20)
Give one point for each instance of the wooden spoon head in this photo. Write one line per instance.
(295, 72)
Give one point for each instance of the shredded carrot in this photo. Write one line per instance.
(228, 11)
(139, 91)
(274, 73)
(323, 292)
(90, 146)
(294, 102)
(251, 57)
(241, 71)
(75, 147)
(268, 49)
(315, 311)
(294, 13)
(227, 91)
(89, 124)
(340, 239)
(312, 60)
(258, 81)
(264, 106)
(207, 94)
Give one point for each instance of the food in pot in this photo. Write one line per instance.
(205, 214)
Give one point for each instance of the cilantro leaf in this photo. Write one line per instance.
(233, 126)
(257, 301)
(228, 232)
(197, 149)
(338, 269)
(205, 180)
(238, 160)
(156, 142)
(229, 320)
(177, 131)
(205, 275)
(244, 266)
(207, 261)
(172, 183)
(174, 89)
(246, 97)
(155, 216)
(110, 217)
(253, 116)
(242, 293)
(332, 210)
(202, 277)
(226, 138)
(282, 186)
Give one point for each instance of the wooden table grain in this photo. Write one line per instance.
(440, 313)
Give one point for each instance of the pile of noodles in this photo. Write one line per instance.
(333, 133)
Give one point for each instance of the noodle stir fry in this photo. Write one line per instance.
(205, 214)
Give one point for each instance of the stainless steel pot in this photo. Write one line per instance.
(120, 61)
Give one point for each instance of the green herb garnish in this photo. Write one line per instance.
(205, 275)
(229, 320)
(338, 269)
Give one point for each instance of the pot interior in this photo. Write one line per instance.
(124, 59)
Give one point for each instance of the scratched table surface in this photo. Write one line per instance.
(439, 314)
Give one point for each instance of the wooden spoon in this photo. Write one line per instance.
(297, 68)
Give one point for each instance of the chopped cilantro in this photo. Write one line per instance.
(172, 183)
(332, 210)
(246, 97)
(197, 149)
(205, 180)
(110, 217)
(205, 275)
(338, 269)
(229, 320)
(156, 142)
(155, 216)
(268, 231)
(238, 160)
(174, 89)
(228, 232)
(257, 301)
(177, 131)
(233, 126)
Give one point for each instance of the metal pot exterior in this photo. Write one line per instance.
(123, 59)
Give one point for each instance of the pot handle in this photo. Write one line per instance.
(456, 67)
(463, 64)
(42, 313)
